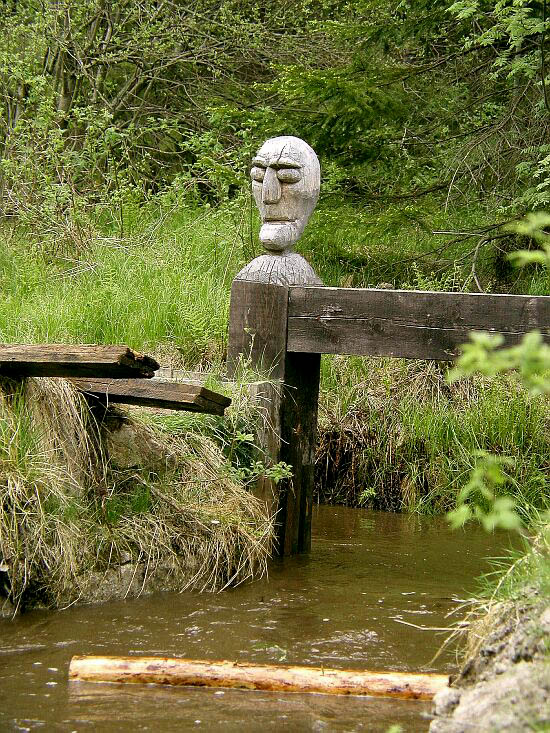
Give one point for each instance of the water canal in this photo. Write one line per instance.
(341, 606)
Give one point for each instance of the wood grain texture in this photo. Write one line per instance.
(155, 393)
(281, 678)
(283, 269)
(298, 416)
(62, 360)
(405, 323)
(257, 327)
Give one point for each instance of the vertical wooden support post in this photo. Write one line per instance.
(258, 333)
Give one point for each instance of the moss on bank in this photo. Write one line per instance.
(83, 494)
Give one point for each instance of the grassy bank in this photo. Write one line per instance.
(98, 506)
(394, 435)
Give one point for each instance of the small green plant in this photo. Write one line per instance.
(257, 469)
(479, 498)
(366, 495)
(448, 281)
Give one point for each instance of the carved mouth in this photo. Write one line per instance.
(278, 220)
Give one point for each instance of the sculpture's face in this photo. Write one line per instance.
(285, 183)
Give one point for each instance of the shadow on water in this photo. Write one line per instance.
(349, 603)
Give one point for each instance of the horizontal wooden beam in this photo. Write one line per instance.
(155, 393)
(406, 323)
(63, 360)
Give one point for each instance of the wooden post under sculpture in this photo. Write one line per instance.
(285, 182)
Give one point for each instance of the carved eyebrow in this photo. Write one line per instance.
(285, 163)
(279, 162)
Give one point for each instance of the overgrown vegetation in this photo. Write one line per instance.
(78, 500)
(125, 138)
(110, 102)
(395, 435)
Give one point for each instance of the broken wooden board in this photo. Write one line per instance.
(64, 360)
(155, 393)
(278, 677)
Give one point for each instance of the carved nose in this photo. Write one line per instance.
(271, 189)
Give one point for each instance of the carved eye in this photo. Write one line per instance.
(257, 174)
(289, 175)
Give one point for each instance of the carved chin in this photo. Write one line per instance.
(278, 236)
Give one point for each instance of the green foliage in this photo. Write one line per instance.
(394, 435)
(249, 474)
(90, 126)
(528, 577)
(487, 476)
(450, 281)
(109, 101)
(530, 359)
(139, 293)
(512, 35)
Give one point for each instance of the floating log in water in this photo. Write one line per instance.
(65, 360)
(280, 678)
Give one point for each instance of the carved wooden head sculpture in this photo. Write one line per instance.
(285, 183)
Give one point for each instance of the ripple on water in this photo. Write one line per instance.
(333, 607)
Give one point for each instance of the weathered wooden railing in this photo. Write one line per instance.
(283, 330)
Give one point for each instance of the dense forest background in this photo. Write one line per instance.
(108, 103)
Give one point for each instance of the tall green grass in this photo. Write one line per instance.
(167, 279)
(394, 435)
(167, 284)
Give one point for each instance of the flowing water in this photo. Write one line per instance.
(355, 602)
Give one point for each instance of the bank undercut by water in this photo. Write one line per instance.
(97, 505)
(395, 435)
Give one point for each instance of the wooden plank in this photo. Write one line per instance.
(195, 384)
(276, 677)
(63, 360)
(188, 376)
(155, 393)
(406, 323)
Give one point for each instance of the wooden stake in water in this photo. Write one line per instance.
(285, 183)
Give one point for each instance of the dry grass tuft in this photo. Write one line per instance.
(68, 512)
(67, 429)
